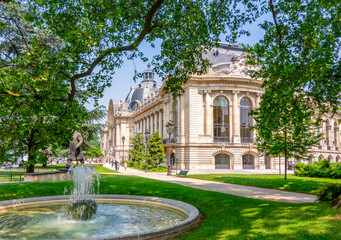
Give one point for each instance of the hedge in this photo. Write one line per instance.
(322, 169)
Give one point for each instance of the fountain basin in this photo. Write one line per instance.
(186, 216)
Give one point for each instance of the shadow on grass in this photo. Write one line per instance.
(226, 216)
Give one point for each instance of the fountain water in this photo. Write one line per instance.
(82, 203)
(110, 217)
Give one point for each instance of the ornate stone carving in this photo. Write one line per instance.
(239, 67)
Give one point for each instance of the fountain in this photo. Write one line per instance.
(87, 215)
(82, 205)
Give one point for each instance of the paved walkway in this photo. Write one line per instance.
(228, 188)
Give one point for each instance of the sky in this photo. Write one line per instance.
(122, 80)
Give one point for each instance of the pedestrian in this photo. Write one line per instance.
(125, 166)
(116, 164)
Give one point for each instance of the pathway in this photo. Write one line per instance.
(228, 188)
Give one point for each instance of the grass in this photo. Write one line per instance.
(7, 176)
(226, 216)
(14, 174)
(102, 169)
(150, 169)
(293, 183)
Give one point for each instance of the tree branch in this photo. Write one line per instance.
(146, 30)
(276, 24)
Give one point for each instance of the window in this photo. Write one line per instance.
(330, 158)
(222, 161)
(267, 162)
(310, 159)
(221, 119)
(245, 121)
(248, 161)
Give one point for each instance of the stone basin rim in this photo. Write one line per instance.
(192, 213)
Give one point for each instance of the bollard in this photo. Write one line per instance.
(20, 178)
(11, 177)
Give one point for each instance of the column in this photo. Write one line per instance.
(208, 114)
(155, 122)
(151, 124)
(148, 124)
(236, 118)
(160, 123)
(182, 116)
(337, 135)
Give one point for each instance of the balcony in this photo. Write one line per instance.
(247, 139)
(166, 140)
(223, 139)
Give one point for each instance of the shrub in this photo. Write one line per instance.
(322, 168)
(329, 193)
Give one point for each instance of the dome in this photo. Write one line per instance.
(144, 90)
(222, 57)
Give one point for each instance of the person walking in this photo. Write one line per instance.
(125, 166)
(116, 164)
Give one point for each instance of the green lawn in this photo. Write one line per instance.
(293, 183)
(102, 169)
(7, 176)
(226, 216)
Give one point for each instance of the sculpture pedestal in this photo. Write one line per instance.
(47, 176)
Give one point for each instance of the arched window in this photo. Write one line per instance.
(175, 119)
(248, 161)
(222, 161)
(245, 121)
(221, 119)
(310, 159)
(337, 159)
(330, 158)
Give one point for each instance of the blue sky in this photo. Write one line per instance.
(122, 80)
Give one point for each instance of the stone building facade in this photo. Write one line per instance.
(212, 126)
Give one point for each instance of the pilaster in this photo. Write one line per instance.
(236, 118)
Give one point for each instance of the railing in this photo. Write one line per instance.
(247, 139)
(222, 139)
(166, 140)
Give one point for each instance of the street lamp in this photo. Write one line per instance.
(123, 139)
(169, 129)
(147, 136)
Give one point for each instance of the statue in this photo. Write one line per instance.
(75, 151)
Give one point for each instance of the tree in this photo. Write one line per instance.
(300, 52)
(285, 124)
(94, 152)
(156, 154)
(99, 34)
(299, 61)
(138, 151)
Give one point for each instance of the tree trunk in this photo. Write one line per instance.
(30, 160)
(44, 165)
(285, 156)
(279, 165)
(30, 167)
